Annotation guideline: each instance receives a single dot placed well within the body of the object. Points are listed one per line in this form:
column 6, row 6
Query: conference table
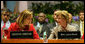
column 66, row 41
column 41, row 41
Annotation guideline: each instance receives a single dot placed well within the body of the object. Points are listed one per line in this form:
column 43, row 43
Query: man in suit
column 54, row 24
column 81, row 22
column 40, row 25
column 62, row 24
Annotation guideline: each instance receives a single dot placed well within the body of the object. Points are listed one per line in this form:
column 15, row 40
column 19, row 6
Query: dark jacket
column 44, row 28
column 50, row 27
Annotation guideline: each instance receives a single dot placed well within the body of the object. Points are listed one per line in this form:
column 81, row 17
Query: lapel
column 54, row 24
column 35, row 23
column 43, row 27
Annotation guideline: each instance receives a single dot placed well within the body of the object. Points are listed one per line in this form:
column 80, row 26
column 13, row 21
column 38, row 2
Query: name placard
column 21, row 34
column 69, row 35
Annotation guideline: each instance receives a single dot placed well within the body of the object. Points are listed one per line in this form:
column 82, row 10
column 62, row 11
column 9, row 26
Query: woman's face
column 27, row 21
column 5, row 17
column 61, row 21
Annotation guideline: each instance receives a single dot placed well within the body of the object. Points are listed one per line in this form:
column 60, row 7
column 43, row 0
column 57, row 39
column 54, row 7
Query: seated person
column 81, row 22
column 54, row 24
column 23, row 23
column 71, row 23
column 63, row 26
column 5, row 23
column 40, row 25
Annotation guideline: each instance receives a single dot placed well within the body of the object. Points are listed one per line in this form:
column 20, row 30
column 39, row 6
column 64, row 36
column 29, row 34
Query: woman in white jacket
column 63, row 25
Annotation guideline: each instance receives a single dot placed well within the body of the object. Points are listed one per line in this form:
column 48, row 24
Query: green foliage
column 13, row 17
column 79, row 7
column 39, row 7
column 50, row 18
column 48, row 8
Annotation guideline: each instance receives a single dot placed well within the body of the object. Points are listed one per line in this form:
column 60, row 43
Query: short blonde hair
column 63, row 13
column 69, row 14
column 57, row 12
column 23, row 15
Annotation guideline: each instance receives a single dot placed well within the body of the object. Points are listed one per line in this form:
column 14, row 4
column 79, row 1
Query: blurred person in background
column 71, row 23
column 5, row 23
column 23, row 23
column 63, row 25
column 81, row 22
column 70, row 18
column 54, row 24
column 13, row 16
column 40, row 25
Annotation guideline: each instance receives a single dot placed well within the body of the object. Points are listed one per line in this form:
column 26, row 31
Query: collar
column 81, row 21
column 56, row 23
column 6, row 22
column 40, row 23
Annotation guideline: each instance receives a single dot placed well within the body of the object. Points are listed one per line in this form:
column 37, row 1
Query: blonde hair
column 69, row 14
column 23, row 15
column 63, row 13
column 57, row 12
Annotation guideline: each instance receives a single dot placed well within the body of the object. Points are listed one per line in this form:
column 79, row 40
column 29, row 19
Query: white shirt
column 38, row 24
column 56, row 23
column 81, row 28
column 7, row 24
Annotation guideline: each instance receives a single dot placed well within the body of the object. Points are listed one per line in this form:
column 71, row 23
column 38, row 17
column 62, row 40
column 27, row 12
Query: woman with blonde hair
column 62, row 26
column 23, row 23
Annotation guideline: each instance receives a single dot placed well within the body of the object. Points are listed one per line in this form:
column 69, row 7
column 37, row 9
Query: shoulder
column 14, row 23
column 74, row 24
column 71, row 27
column 12, row 26
column 51, row 25
column 31, row 25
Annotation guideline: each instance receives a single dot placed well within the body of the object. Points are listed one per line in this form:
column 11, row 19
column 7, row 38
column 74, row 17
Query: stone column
column 2, row 6
column 22, row 5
